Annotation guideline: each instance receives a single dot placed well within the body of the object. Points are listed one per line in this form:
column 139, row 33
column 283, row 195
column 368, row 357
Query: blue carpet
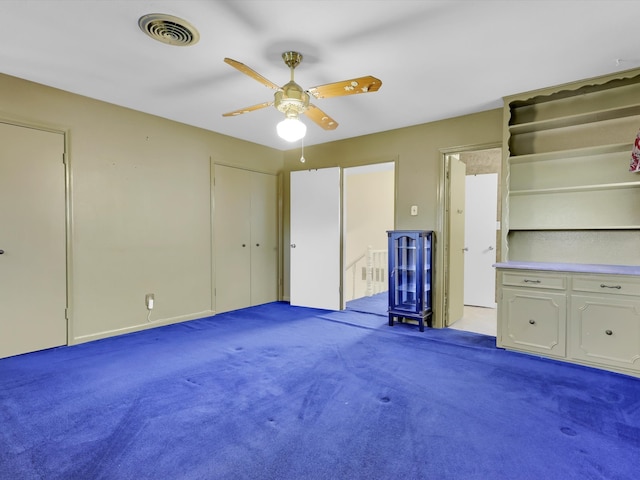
column 377, row 304
column 281, row 392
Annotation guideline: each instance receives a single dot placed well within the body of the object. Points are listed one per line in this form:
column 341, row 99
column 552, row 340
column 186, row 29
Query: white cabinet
column 577, row 316
column 245, row 238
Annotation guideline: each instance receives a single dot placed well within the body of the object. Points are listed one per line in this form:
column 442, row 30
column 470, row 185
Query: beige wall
column 141, row 206
column 417, row 151
column 141, row 209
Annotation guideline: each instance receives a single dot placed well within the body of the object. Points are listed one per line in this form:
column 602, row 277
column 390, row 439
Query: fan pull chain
column 302, row 159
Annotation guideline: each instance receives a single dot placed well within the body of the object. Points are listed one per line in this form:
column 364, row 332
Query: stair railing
column 374, row 272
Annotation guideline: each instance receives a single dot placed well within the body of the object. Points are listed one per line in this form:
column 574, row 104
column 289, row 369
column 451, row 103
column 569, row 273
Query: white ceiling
column 436, row 59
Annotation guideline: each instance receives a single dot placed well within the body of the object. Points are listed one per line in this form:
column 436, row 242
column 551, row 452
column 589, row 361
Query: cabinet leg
column 421, row 321
column 391, row 320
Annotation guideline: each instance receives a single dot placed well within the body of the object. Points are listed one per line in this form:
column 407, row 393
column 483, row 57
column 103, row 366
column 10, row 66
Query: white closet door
column 246, row 238
column 32, row 237
column 232, row 238
column 315, row 238
column 264, row 238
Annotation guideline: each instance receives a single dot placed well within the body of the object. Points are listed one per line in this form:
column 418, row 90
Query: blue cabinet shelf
column 410, row 274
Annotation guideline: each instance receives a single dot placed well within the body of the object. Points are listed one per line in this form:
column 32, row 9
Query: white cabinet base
column 565, row 312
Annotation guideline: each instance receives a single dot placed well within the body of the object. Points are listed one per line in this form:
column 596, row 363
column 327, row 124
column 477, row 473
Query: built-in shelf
column 578, row 227
column 573, row 153
column 574, row 120
column 577, row 188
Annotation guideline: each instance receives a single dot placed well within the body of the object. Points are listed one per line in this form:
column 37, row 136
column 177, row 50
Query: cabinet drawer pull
column 608, row 332
column 602, row 285
column 532, row 322
column 526, row 280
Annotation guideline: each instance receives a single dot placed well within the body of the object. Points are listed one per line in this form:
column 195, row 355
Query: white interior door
column 33, row 278
column 456, row 215
column 315, row 238
column 232, row 237
column 481, row 194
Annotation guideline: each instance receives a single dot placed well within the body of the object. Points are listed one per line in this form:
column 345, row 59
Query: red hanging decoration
column 635, row 155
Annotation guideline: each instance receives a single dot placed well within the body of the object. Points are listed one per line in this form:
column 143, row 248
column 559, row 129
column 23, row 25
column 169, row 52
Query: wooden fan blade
column 346, row 87
column 252, row 73
column 247, row 109
column 321, row 118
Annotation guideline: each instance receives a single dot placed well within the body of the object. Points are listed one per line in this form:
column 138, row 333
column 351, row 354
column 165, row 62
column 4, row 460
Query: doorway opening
column 471, row 232
column 368, row 212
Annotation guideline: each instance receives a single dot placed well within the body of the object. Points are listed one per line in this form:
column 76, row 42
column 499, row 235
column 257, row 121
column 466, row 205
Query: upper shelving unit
column 566, row 158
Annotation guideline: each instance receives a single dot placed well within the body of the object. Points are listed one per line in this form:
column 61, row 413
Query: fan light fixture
column 292, row 100
column 291, row 129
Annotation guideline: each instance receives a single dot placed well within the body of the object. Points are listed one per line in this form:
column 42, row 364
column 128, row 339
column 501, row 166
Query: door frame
column 66, row 160
column 442, row 253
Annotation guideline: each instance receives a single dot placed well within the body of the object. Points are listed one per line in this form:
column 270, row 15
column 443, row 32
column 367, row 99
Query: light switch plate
column 414, row 210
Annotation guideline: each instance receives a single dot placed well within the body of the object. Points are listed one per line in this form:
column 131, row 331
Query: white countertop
column 572, row 267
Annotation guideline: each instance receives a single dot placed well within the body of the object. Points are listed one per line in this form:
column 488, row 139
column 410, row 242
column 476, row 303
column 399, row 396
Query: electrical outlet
column 148, row 300
column 414, row 210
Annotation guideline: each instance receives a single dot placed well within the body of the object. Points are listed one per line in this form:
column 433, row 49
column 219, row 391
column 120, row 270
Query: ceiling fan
column 292, row 100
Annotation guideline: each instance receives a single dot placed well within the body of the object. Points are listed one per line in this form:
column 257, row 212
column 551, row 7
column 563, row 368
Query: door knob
column 465, row 249
column 293, row 245
column 490, row 248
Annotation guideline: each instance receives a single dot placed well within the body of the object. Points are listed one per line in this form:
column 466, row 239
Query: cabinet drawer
column 614, row 284
column 534, row 280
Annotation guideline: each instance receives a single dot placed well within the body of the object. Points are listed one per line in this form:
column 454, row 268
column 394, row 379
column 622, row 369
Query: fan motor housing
column 291, row 99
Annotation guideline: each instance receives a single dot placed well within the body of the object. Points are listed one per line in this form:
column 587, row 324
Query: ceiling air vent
column 169, row 29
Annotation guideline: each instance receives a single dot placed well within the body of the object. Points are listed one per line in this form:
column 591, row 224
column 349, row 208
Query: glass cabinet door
column 426, row 271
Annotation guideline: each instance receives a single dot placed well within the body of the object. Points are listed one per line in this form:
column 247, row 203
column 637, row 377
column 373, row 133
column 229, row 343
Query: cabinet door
column 606, row 330
column 426, row 279
column 534, row 321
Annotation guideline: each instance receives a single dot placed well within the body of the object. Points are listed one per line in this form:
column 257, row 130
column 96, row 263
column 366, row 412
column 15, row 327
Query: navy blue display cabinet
column 410, row 275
